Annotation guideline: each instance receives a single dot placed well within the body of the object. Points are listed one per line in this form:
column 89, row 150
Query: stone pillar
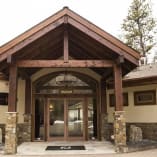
column 11, row 133
column 27, row 132
column 120, row 131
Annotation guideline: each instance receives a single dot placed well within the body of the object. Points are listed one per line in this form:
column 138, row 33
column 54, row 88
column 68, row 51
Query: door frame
column 47, row 96
column 66, row 137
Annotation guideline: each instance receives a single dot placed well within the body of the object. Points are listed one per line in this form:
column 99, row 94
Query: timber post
column 12, row 116
column 119, row 119
column 27, row 115
column 104, row 116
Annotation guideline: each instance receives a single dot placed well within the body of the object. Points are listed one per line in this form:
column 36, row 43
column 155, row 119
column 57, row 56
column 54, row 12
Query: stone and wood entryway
column 66, row 40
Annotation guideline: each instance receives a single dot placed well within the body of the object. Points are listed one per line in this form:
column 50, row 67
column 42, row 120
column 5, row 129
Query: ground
column 98, row 152
column 148, row 153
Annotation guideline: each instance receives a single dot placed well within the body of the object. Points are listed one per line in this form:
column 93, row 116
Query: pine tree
column 139, row 27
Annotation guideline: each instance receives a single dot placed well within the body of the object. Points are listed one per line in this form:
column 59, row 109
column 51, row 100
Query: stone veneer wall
column 11, row 133
column 23, row 132
column 149, row 130
column 24, row 129
column 120, row 131
column 108, row 131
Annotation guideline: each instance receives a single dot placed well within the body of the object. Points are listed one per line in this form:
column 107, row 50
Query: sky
column 18, row 16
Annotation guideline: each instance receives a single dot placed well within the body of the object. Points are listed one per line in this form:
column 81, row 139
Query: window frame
column 139, row 94
column 112, row 99
column 3, row 99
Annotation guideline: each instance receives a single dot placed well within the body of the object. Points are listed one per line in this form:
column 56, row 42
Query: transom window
column 65, row 83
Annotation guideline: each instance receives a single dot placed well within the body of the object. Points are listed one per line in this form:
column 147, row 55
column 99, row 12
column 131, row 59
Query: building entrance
column 65, row 109
column 66, row 118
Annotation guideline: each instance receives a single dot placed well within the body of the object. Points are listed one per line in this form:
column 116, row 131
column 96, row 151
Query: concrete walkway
column 93, row 149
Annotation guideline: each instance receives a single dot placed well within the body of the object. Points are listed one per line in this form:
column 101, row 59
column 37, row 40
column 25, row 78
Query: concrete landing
column 92, row 147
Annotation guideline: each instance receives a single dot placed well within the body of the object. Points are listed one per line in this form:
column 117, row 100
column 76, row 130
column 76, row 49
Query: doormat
column 65, row 148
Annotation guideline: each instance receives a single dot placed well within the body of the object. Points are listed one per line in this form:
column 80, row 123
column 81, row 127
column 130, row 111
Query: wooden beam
column 64, row 95
column 61, row 63
column 12, row 98
column 66, row 40
column 65, row 19
column 28, row 97
column 120, row 60
column 23, row 74
column 66, row 46
column 9, row 59
column 64, row 88
column 118, row 88
column 96, row 114
column 103, row 96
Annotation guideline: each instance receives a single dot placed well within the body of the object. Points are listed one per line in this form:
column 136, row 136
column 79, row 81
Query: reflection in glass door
column 75, row 118
column 65, row 119
column 91, row 119
column 56, row 118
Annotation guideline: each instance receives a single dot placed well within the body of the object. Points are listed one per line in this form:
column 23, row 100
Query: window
column 145, row 97
column 3, row 98
column 112, row 99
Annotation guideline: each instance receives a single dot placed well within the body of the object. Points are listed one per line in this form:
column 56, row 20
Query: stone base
column 24, row 133
column 104, row 126
column 121, row 149
column 119, row 131
column 11, row 133
column 27, row 128
column 148, row 130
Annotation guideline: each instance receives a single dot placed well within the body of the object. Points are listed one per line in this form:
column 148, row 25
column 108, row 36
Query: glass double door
column 66, row 119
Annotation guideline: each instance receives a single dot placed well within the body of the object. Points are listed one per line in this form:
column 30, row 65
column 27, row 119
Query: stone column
column 120, row 131
column 11, row 133
column 27, row 132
